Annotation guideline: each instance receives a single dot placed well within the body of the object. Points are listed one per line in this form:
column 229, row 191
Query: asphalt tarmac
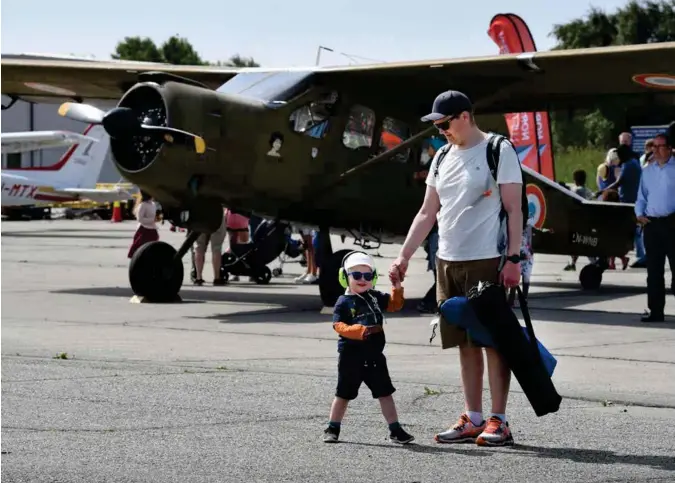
column 235, row 384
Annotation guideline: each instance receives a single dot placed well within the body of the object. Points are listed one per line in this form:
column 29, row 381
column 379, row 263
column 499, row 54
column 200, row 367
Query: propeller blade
column 81, row 112
column 120, row 122
column 176, row 136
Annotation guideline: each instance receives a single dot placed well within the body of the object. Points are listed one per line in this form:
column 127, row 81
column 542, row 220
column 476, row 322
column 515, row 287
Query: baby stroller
column 251, row 259
column 292, row 249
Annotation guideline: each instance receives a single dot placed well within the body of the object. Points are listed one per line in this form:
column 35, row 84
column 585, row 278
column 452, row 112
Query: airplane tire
column 590, row 277
column 154, row 273
column 329, row 286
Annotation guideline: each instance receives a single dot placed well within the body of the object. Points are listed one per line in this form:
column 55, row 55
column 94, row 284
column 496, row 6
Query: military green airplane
column 335, row 148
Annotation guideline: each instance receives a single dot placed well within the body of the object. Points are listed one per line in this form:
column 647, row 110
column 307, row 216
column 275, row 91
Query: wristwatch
column 513, row 258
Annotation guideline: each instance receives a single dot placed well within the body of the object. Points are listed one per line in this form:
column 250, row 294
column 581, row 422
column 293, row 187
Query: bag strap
column 528, row 321
column 441, row 156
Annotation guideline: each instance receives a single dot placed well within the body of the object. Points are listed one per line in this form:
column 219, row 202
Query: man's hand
column 370, row 330
column 642, row 220
column 510, row 275
column 397, row 270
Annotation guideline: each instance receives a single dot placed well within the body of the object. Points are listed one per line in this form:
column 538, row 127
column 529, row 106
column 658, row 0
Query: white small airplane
column 73, row 178
column 21, row 142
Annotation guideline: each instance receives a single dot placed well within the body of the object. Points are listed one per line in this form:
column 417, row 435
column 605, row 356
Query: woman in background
column 146, row 214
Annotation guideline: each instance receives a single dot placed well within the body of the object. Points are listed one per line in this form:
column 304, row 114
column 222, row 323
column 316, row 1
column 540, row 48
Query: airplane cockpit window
column 268, row 86
column 394, row 132
column 313, row 119
column 360, row 128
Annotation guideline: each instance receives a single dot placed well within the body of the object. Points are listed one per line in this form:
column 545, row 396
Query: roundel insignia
column 536, row 204
column 657, row 81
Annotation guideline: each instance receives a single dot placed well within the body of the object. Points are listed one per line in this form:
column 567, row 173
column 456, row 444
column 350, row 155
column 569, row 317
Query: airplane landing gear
column 329, row 285
column 590, row 276
column 156, row 270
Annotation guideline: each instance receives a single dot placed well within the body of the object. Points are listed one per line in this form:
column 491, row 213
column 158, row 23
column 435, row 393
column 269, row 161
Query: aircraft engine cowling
column 134, row 152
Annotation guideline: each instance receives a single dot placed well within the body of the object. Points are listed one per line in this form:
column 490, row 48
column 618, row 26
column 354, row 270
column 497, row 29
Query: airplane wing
column 59, row 79
column 97, row 195
column 502, row 83
column 19, row 142
column 532, row 81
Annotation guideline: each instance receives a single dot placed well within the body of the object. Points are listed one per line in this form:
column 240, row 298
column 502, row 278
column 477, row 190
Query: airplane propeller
column 123, row 122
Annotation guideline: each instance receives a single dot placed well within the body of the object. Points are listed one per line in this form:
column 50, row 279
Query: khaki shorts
column 455, row 279
column 216, row 239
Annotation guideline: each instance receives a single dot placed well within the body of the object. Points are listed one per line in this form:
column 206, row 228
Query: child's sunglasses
column 367, row 276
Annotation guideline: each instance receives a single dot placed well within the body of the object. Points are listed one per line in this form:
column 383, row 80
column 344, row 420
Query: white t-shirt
column 468, row 221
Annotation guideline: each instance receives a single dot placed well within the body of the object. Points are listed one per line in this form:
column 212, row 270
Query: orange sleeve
column 395, row 300
column 354, row 331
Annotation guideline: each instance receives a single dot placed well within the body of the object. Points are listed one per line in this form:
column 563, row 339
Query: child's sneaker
column 464, row 431
column 331, row 434
column 400, row 436
column 497, row 433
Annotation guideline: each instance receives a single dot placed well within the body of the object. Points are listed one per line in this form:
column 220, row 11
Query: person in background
column 606, row 174
column 238, row 229
column 310, row 276
column 627, row 183
column 216, row 240
column 579, row 187
column 626, row 139
column 146, row 214
column 649, row 152
column 655, row 211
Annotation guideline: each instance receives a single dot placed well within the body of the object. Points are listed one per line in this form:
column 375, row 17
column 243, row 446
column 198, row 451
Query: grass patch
column 61, row 355
column 571, row 159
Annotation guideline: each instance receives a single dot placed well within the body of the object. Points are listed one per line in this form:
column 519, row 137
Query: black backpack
column 492, row 154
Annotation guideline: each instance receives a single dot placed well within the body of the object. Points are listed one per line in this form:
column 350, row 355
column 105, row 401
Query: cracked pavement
column 235, row 384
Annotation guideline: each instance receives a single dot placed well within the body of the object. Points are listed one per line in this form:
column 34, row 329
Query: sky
column 282, row 33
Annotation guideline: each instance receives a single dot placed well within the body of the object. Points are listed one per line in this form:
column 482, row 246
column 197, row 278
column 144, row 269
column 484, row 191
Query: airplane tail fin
column 530, row 132
column 80, row 166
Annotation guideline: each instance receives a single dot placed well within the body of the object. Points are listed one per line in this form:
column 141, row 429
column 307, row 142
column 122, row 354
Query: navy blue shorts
column 354, row 369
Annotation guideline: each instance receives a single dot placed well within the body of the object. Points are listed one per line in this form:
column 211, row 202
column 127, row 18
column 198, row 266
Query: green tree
column 176, row 50
column 637, row 22
column 238, row 61
column 138, row 48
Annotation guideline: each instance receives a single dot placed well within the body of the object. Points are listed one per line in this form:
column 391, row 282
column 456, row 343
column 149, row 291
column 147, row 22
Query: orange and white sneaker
column 497, row 433
column 464, row 431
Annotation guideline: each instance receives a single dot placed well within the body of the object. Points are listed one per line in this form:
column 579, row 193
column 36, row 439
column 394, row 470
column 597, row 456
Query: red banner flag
column 530, row 131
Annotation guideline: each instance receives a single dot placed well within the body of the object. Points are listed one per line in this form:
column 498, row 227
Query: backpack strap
column 441, row 156
column 492, row 154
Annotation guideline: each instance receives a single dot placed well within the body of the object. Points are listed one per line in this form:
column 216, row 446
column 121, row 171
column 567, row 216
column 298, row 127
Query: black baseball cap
column 448, row 103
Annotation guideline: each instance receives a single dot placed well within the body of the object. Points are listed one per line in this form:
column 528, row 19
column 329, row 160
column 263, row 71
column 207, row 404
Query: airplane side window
column 360, row 127
column 313, row 119
column 394, row 132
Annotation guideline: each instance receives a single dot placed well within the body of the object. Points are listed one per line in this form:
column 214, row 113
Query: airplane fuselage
column 25, row 191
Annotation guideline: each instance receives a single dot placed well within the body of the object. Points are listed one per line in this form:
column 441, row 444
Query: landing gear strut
column 329, row 285
column 156, row 270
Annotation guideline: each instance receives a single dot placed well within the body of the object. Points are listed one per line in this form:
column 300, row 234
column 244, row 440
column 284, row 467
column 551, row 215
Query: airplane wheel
column 154, row 273
column 277, row 272
column 264, row 276
column 590, row 277
column 329, row 286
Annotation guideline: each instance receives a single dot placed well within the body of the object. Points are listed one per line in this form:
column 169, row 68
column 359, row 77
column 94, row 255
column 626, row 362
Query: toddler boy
column 358, row 319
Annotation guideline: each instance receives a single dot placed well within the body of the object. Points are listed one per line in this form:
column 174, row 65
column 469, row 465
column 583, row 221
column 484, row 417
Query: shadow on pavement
column 597, row 456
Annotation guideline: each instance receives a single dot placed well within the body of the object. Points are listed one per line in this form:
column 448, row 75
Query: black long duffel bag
column 522, row 355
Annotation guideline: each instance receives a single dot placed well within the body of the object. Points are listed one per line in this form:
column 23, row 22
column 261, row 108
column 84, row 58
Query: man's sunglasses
column 445, row 125
column 367, row 276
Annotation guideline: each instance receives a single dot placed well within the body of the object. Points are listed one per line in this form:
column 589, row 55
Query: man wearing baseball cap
column 463, row 197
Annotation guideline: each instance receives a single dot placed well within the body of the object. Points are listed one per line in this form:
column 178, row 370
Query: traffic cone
column 116, row 212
